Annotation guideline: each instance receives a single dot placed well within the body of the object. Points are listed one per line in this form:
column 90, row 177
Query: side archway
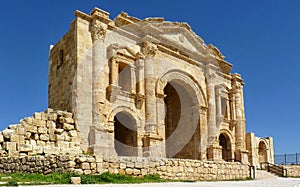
column 262, row 152
column 226, row 142
column 126, row 126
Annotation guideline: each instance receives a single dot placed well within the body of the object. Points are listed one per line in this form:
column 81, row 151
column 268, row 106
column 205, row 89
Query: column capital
column 98, row 30
column 149, row 49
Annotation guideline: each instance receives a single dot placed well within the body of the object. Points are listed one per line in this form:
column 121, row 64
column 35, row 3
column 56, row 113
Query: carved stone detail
column 98, row 30
column 149, row 49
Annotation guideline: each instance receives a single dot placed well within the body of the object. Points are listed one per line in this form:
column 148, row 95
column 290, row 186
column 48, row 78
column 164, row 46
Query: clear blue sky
column 260, row 38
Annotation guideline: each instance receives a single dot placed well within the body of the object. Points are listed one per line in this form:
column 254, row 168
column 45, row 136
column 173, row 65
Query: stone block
column 62, row 144
column 90, row 159
column 38, row 149
column 85, row 166
column 28, row 135
column 59, row 137
column 75, row 180
column 42, row 130
column 66, row 120
column 68, row 127
column 32, row 142
column 73, row 133
column 87, row 172
column 36, row 137
column 44, row 137
column 24, row 148
column 52, row 117
column 93, row 165
column 8, row 132
column 30, row 128
column 40, row 143
column 129, row 171
column 122, row 165
column 1, row 138
column 20, row 130
column 78, row 171
column 51, row 150
column 37, row 115
column 59, row 131
column 39, row 123
column 10, row 146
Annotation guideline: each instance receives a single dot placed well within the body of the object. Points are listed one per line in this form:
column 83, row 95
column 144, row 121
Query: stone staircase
column 262, row 174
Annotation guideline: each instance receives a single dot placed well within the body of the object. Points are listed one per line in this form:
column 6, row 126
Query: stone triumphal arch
column 150, row 88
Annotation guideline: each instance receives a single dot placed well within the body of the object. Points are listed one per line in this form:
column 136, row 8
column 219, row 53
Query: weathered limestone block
column 10, row 146
column 8, row 132
column 1, row 138
column 75, row 180
column 24, row 148
column 42, row 130
column 59, row 131
column 40, row 143
column 129, row 171
column 60, row 137
column 39, row 122
column 52, row 150
column 52, row 116
column 31, row 128
column 73, row 133
column 68, row 127
column 37, row 115
column 51, row 130
column 62, row 144
column 44, row 137
column 66, row 120
column 85, row 166
column 20, row 130
column 78, row 171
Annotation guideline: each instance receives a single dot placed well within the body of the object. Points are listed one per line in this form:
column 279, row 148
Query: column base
column 242, row 156
column 214, row 153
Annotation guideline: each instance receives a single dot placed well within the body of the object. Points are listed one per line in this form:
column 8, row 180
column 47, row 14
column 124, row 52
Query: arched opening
column 225, row 143
column 125, row 134
column 262, row 152
column 182, row 123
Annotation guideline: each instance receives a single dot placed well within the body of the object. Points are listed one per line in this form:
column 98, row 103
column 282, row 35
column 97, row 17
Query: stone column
column 212, row 129
column 140, row 83
column 133, row 79
column 114, row 68
column 203, row 132
column 241, row 153
column 149, row 51
column 152, row 140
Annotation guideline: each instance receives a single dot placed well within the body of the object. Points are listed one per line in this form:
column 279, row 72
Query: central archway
column 125, row 135
column 182, row 121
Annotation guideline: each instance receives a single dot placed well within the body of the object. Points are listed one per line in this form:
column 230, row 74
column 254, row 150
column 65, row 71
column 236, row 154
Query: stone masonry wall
column 292, row 170
column 134, row 166
column 50, row 132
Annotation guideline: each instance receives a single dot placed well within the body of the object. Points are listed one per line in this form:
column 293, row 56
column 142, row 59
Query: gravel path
column 271, row 182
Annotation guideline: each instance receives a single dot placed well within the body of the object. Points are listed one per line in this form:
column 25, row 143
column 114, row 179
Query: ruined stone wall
column 134, row 166
column 292, row 170
column 50, row 132
column 62, row 68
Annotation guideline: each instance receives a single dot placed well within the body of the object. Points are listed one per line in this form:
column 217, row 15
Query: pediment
column 178, row 36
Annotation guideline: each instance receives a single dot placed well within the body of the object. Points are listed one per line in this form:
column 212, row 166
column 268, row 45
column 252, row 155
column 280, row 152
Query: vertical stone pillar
column 203, row 133
column 241, row 154
column 133, row 79
column 140, row 81
column 152, row 140
column 149, row 51
column 212, row 113
column 114, row 67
